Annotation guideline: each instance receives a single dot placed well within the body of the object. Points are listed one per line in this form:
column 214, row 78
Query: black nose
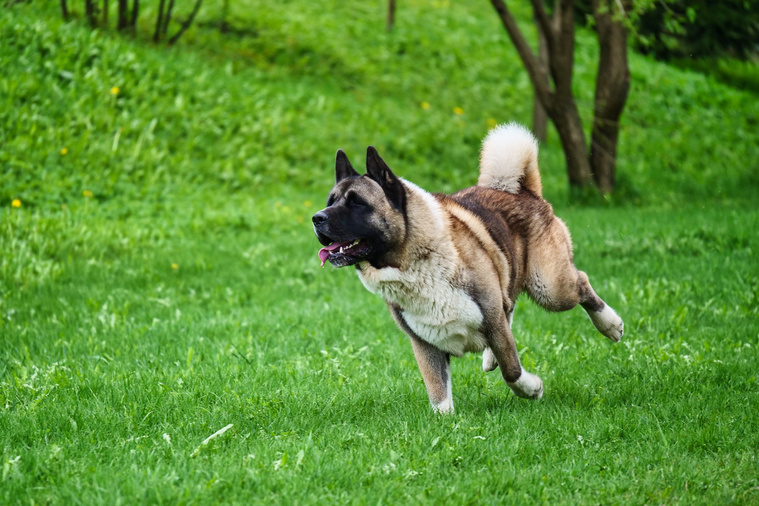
column 319, row 218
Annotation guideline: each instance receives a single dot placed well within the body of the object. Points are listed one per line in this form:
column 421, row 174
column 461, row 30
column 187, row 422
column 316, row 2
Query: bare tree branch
column 167, row 18
column 539, row 115
column 187, row 23
column 537, row 74
column 543, row 21
column 159, row 21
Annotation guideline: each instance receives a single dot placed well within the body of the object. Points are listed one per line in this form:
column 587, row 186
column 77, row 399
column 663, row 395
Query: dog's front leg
column 489, row 362
column 435, row 366
column 503, row 347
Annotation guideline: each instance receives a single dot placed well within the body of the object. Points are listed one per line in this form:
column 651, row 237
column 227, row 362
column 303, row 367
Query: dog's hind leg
column 570, row 288
column 606, row 320
column 503, row 347
column 555, row 283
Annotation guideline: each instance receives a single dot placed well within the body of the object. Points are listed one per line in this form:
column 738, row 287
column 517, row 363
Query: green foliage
column 693, row 29
column 699, row 28
column 159, row 278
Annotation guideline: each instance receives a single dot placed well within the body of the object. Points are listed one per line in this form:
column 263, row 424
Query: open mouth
column 340, row 254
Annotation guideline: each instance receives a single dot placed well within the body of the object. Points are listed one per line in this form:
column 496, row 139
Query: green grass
column 185, row 294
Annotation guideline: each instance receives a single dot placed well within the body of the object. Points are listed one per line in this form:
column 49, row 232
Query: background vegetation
column 159, row 278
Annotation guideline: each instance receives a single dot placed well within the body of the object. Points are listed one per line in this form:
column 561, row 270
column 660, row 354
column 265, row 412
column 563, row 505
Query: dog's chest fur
column 431, row 304
column 429, row 290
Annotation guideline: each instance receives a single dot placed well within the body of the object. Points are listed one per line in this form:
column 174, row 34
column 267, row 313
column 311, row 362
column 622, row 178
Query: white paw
column 528, row 386
column 608, row 323
column 489, row 363
column 444, row 408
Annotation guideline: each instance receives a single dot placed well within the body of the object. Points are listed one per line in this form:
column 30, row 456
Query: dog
column 450, row 267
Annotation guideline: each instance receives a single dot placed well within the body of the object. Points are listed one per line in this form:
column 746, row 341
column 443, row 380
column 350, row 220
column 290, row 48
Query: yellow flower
column 458, row 111
column 64, row 151
column 16, row 203
column 115, row 90
column 492, row 123
column 87, row 193
column 425, row 105
column 174, row 266
column 307, row 203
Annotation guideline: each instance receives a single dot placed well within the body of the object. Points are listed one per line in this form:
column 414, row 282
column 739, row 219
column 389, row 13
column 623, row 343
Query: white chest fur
column 431, row 305
column 428, row 289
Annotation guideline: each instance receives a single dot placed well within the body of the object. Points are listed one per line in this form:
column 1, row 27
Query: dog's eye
column 330, row 201
column 353, row 200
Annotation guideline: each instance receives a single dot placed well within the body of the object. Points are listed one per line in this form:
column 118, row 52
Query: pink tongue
column 325, row 251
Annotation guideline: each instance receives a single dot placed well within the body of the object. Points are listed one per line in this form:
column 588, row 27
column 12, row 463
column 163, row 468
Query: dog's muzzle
column 320, row 223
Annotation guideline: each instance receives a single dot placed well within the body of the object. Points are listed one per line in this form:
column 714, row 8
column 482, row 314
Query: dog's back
column 507, row 199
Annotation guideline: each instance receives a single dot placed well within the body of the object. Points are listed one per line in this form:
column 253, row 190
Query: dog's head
column 365, row 214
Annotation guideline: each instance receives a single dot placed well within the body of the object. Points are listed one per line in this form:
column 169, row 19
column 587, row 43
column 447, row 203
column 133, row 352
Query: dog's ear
column 343, row 167
column 377, row 169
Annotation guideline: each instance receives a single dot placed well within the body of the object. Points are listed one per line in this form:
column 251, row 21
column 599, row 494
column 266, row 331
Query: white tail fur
column 509, row 159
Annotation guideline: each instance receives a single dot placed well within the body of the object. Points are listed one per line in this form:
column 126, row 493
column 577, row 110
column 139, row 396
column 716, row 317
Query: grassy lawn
column 159, row 278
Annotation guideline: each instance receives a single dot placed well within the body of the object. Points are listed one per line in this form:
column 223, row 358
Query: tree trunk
column 89, row 9
column 105, row 13
column 560, row 38
column 569, row 127
column 553, row 84
column 612, row 86
column 557, row 100
column 135, row 13
column 64, row 10
column 122, row 21
column 390, row 15
column 539, row 116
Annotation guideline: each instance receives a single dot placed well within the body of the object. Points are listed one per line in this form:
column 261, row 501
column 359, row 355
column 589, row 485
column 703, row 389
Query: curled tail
column 509, row 160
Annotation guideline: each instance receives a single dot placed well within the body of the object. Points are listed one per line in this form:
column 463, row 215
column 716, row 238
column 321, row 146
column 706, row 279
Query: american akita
column 450, row 267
